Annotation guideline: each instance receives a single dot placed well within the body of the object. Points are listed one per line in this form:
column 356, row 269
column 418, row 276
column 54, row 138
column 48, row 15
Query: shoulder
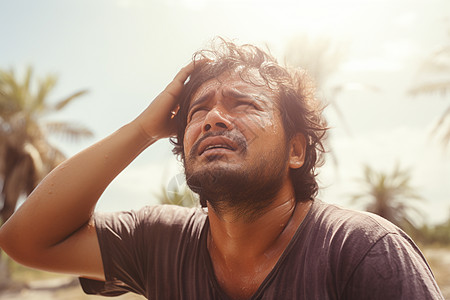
column 367, row 251
column 157, row 213
column 351, row 223
column 347, row 237
column 151, row 219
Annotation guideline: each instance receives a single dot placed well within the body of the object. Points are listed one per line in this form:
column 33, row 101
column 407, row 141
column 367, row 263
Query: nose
column 216, row 119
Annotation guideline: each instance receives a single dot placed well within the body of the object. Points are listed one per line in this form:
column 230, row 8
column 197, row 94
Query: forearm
column 52, row 229
column 65, row 199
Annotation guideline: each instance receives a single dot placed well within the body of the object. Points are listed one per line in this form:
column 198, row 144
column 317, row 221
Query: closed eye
column 250, row 104
column 197, row 112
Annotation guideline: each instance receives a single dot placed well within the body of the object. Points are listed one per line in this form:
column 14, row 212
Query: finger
column 184, row 72
column 174, row 88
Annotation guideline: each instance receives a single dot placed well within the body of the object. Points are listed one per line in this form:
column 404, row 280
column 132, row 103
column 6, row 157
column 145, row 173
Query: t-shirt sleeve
column 392, row 269
column 120, row 241
column 134, row 242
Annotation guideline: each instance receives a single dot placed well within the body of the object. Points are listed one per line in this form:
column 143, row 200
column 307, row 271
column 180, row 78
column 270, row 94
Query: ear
column 297, row 151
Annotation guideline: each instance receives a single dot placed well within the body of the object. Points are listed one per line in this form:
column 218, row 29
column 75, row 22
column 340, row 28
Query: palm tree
column 433, row 77
column 178, row 193
column 26, row 155
column 183, row 197
column 321, row 58
column 390, row 196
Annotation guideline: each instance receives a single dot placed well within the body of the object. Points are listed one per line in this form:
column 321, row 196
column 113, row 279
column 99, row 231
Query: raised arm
column 53, row 230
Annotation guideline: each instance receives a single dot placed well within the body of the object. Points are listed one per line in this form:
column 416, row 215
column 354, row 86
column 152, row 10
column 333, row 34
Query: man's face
column 234, row 135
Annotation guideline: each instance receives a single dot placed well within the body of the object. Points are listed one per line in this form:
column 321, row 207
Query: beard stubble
column 245, row 187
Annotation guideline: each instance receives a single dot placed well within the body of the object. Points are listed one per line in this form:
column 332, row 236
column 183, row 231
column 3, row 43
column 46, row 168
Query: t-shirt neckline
column 210, row 269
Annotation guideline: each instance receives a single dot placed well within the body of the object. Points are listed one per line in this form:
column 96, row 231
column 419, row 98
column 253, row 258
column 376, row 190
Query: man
column 249, row 133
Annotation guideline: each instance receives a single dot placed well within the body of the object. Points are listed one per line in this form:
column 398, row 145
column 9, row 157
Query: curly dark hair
column 301, row 112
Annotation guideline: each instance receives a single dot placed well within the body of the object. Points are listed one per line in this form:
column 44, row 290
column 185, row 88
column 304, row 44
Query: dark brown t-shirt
column 160, row 252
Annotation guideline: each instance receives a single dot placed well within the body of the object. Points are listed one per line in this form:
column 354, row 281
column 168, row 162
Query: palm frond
column 446, row 138
column 433, row 72
column 440, row 124
column 64, row 102
column 389, row 195
column 320, row 57
column 25, row 152
column 26, row 85
column 10, row 88
column 181, row 197
column 442, row 88
column 68, row 130
column 53, row 157
column 433, row 77
column 45, row 87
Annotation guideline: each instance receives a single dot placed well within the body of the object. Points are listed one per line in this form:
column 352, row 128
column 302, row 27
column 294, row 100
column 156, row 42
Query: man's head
column 243, row 115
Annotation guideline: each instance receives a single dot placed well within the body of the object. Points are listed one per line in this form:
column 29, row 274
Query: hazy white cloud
column 400, row 49
column 126, row 56
column 406, row 19
column 371, row 64
column 130, row 3
column 141, row 182
column 408, row 147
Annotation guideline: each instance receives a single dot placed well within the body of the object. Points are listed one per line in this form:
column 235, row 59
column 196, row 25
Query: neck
column 241, row 202
column 243, row 250
column 239, row 237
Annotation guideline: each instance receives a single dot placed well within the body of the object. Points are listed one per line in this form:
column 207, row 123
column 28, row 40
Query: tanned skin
column 244, row 247
column 54, row 229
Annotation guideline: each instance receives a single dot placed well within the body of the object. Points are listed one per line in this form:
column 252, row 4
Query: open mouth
column 216, row 147
column 217, row 143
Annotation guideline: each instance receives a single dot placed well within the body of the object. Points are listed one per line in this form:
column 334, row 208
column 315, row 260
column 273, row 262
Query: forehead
column 233, row 84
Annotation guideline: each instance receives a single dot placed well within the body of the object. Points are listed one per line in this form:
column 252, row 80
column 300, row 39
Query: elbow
column 10, row 243
column 15, row 249
column 5, row 239
column 2, row 237
column 22, row 248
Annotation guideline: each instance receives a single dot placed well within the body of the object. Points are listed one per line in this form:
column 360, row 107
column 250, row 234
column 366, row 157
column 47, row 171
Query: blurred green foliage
column 434, row 234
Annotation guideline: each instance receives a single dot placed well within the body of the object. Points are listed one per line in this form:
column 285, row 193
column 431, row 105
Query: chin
column 212, row 177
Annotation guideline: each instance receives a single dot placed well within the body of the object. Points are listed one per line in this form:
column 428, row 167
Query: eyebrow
column 201, row 100
column 232, row 93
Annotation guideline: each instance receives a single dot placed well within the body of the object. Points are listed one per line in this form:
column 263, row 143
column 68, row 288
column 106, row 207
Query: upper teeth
column 217, row 146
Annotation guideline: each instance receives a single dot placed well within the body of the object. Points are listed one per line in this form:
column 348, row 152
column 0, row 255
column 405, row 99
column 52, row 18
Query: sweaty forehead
column 232, row 83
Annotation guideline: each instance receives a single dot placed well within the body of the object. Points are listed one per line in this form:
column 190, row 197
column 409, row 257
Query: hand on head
column 158, row 121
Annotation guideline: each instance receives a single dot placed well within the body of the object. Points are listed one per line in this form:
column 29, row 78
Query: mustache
column 235, row 136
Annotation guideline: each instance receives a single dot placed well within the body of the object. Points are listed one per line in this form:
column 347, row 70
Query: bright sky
column 126, row 51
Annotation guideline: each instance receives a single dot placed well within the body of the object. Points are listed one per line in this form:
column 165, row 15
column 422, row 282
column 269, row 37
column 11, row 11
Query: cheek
column 260, row 119
column 190, row 136
column 261, row 123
